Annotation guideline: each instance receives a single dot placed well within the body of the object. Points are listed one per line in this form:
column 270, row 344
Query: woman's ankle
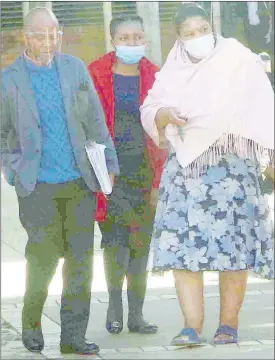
column 197, row 328
column 233, row 324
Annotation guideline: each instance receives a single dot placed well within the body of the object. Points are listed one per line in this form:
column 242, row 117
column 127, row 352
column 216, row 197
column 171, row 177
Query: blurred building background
column 86, row 24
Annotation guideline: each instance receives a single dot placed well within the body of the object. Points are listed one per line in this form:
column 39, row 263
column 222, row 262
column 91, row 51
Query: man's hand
column 112, row 178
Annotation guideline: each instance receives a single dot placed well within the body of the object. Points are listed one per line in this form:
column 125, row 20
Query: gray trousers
column 118, row 263
column 59, row 223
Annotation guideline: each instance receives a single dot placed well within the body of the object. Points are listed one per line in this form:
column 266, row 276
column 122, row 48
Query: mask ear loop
column 60, row 34
column 48, row 45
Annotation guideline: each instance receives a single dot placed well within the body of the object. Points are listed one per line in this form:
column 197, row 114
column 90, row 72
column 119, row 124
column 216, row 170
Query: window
column 11, row 15
column 167, row 10
column 71, row 13
column 124, row 8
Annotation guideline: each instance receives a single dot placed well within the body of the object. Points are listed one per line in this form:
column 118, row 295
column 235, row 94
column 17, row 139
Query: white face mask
column 200, row 47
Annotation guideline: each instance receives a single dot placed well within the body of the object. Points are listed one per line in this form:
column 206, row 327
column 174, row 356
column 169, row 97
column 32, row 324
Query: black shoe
column 86, row 348
column 33, row 339
column 142, row 327
column 114, row 321
column 114, row 327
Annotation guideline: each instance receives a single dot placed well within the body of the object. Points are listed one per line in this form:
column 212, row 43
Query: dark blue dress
column 126, row 206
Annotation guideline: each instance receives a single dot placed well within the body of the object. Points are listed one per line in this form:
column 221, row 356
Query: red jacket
column 101, row 73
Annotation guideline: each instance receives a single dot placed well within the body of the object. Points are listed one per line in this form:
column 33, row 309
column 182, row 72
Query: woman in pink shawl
column 213, row 106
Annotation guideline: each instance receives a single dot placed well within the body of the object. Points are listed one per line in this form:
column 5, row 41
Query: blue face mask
column 130, row 54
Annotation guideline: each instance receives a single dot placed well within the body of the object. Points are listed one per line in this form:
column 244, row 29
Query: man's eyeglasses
column 40, row 36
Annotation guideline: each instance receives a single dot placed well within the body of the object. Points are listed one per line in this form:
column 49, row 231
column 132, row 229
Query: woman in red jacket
column 122, row 79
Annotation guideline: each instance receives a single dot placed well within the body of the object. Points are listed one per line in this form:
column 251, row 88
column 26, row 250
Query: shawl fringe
column 225, row 145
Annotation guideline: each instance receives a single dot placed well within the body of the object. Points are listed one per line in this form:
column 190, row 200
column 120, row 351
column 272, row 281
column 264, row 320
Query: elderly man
column 49, row 110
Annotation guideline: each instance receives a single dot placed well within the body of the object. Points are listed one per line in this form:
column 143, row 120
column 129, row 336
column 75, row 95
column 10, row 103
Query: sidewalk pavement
column 256, row 331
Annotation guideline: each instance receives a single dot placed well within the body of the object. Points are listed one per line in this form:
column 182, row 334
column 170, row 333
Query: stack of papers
column 96, row 156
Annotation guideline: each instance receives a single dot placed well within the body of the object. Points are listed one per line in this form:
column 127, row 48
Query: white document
column 96, row 156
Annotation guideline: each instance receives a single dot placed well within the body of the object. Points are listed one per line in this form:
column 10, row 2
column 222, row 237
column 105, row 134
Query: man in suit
column 49, row 110
column 257, row 19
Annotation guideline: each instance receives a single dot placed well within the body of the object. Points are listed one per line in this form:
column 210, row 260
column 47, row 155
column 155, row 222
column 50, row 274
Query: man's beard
column 45, row 58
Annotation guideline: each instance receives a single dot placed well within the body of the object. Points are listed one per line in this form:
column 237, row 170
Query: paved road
column 161, row 307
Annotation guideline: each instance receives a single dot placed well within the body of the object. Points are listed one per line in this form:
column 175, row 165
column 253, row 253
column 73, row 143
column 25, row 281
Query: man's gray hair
column 33, row 13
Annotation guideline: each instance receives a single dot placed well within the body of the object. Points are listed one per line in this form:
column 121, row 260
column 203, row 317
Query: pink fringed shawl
column 228, row 102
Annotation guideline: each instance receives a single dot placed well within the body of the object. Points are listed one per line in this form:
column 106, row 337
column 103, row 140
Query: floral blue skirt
column 220, row 221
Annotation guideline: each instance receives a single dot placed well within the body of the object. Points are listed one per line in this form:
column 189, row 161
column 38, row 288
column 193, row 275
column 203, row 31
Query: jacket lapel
column 23, row 82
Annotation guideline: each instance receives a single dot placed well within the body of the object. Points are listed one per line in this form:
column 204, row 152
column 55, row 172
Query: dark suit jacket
column 255, row 34
column 21, row 137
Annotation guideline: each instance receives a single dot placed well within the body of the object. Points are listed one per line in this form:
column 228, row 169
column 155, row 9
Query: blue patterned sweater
column 57, row 164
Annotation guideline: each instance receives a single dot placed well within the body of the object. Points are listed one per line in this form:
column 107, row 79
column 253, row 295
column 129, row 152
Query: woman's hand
column 154, row 196
column 167, row 116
